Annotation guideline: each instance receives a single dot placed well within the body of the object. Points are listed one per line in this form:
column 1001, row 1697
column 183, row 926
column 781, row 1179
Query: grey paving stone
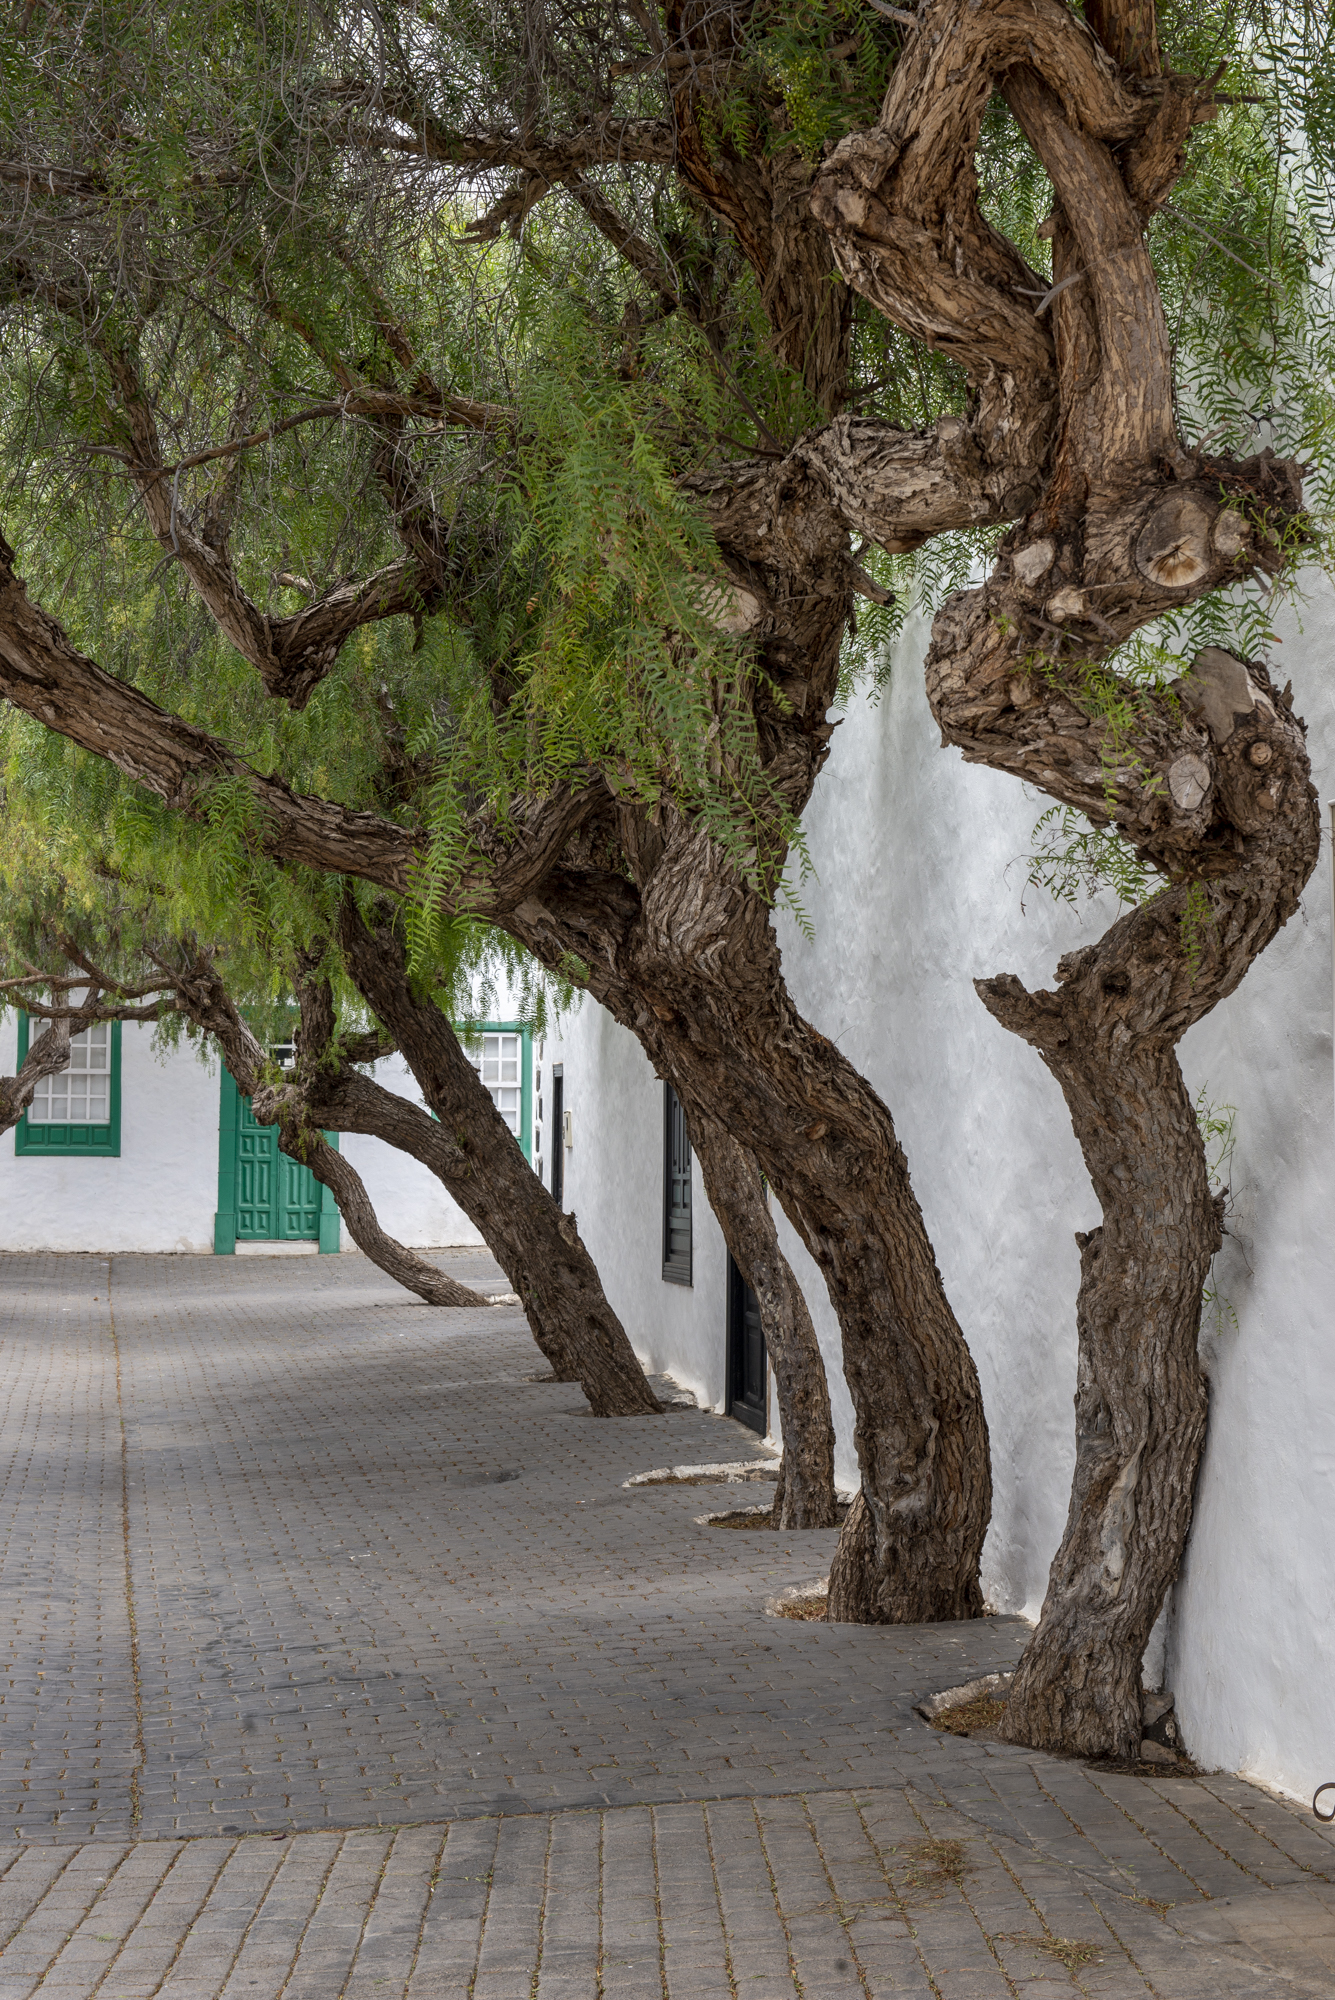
column 507, row 1726
column 325, row 1582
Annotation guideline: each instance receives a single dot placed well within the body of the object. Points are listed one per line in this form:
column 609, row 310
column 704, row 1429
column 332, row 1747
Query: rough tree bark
column 736, row 1190
column 536, row 1245
column 46, row 1056
column 1108, row 1036
column 1140, row 1399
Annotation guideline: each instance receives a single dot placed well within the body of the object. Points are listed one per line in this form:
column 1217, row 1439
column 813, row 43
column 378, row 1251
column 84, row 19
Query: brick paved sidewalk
column 835, row 1896
column 340, row 1662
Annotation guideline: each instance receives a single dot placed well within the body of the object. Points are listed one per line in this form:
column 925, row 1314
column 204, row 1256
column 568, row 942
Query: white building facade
column 139, row 1148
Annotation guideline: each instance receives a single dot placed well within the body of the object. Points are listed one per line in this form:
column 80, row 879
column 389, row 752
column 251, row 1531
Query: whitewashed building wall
column 409, row 1200
column 920, row 890
column 161, row 1194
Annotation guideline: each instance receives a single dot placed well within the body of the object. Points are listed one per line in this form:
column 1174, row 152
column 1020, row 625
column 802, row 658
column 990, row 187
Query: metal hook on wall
column 1328, row 1787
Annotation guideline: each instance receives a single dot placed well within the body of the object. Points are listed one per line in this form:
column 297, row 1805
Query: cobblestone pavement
column 339, row 1662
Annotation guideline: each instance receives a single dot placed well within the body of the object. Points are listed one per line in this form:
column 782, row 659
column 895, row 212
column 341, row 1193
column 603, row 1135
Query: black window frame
column 677, row 1265
column 558, row 1134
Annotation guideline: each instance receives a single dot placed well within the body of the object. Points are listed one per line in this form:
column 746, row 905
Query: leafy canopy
column 264, row 216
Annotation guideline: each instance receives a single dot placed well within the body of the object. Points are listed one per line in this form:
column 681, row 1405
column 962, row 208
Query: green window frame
column 470, row 1037
column 69, row 1141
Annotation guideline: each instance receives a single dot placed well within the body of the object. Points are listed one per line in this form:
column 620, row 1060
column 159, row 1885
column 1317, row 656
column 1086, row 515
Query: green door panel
column 298, row 1214
column 263, row 1196
column 259, row 1180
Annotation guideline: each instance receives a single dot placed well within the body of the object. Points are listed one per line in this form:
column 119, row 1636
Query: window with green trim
column 78, row 1110
column 502, row 1054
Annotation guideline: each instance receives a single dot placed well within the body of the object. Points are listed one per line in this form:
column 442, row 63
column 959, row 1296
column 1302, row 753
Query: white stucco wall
column 1252, row 1636
column 919, row 891
column 614, row 1188
column 162, row 1192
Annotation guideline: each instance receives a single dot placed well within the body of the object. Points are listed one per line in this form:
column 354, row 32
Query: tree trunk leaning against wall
column 737, row 1195
column 1109, row 1036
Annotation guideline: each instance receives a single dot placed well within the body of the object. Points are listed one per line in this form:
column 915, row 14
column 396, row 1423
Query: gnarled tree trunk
column 1109, row 1037
column 537, row 1246
column 1140, row 1404
column 736, row 1191
column 691, row 966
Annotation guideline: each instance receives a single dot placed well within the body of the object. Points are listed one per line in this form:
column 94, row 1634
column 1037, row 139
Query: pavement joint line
column 1209, row 1838
column 202, row 1904
column 983, row 1931
column 339, row 1849
column 718, row 1899
column 1076, row 1867
column 394, row 1835
column 602, row 1888
column 21, row 1855
column 542, row 1908
column 432, row 1880
column 100, row 1888
column 1108, row 1860
column 486, row 1905
column 1020, row 1888
column 1231, row 1806
column 839, row 1900
column 1132, row 1960
column 904, row 1905
column 798, row 1987
column 251, row 1921
column 140, row 1745
column 658, row 1898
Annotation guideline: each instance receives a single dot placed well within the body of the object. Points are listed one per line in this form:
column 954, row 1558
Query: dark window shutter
column 676, row 1191
column 558, row 1130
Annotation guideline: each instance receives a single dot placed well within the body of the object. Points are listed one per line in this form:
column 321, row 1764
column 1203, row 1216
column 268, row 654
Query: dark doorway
column 558, row 1134
column 748, row 1373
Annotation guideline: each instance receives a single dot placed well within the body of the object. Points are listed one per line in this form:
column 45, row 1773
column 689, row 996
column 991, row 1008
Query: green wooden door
column 277, row 1199
column 263, row 1197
